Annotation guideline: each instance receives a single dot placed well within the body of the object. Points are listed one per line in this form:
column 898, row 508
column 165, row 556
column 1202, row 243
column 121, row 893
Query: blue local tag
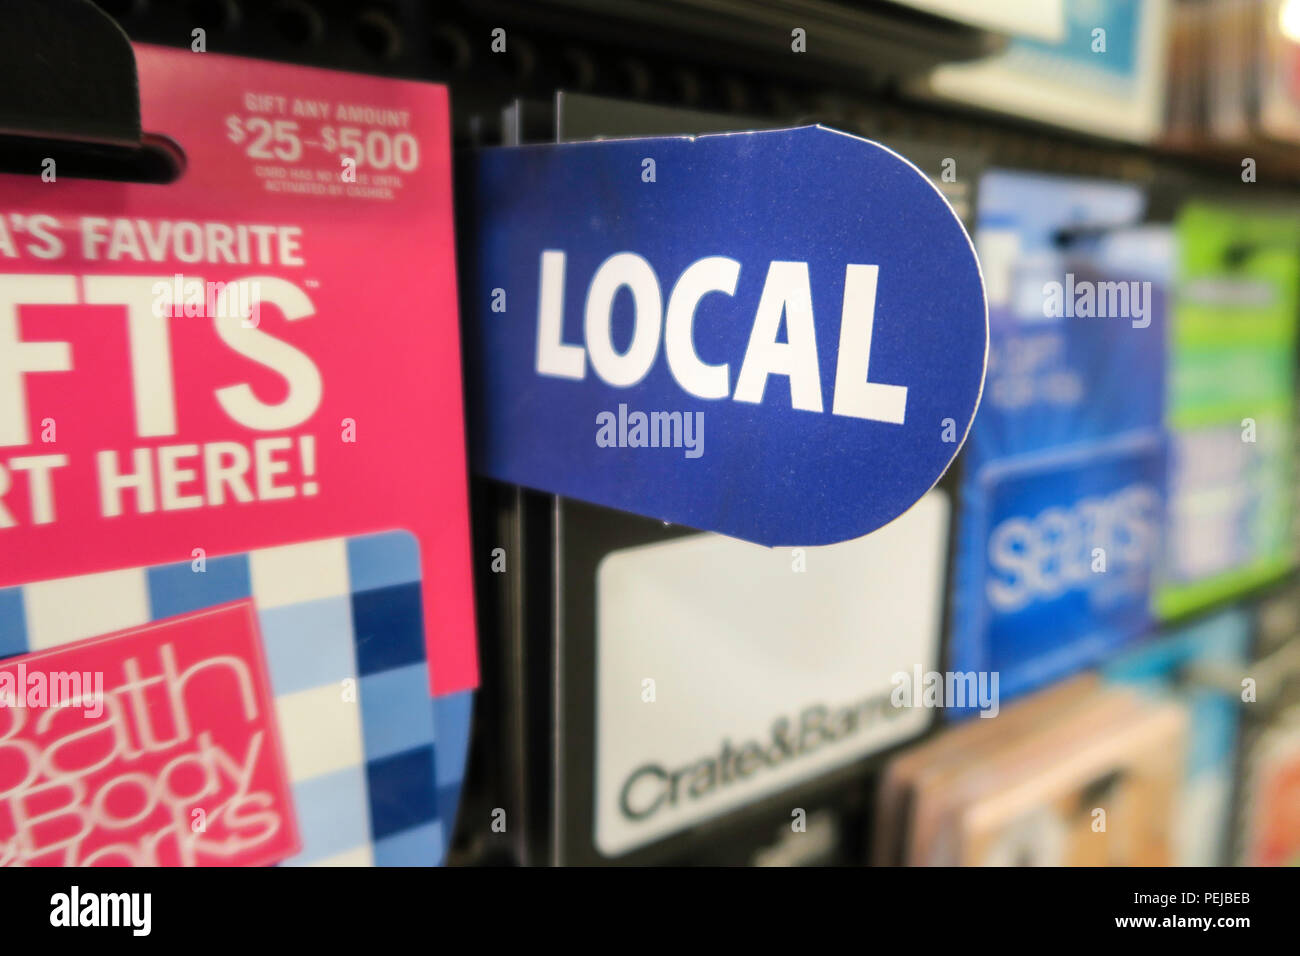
column 779, row 336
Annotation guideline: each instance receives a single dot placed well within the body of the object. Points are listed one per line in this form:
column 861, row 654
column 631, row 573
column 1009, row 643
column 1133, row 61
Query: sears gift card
column 1063, row 492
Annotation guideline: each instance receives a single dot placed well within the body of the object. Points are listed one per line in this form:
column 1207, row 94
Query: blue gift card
column 1063, row 492
column 1059, row 551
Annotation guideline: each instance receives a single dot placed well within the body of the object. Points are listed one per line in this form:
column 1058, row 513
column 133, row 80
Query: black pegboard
column 450, row 42
column 689, row 63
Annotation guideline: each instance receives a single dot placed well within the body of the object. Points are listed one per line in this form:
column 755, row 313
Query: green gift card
column 1230, row 404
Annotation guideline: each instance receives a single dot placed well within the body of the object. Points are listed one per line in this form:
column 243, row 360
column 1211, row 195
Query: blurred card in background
column 1272, row 806
column 1104, row 75
column 1185, row 666
column 1269, row 801
column 1074, row 775
column 1063, row 482
column 1230, row 409
column 1044, row 19
column 1088, row 799
column 901, row 778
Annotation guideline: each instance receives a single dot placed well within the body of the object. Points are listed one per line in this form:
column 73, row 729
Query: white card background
column 735, row 639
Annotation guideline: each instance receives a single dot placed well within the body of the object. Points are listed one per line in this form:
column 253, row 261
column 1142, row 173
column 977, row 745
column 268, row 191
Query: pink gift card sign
column 263, row 352
column 156, row 745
